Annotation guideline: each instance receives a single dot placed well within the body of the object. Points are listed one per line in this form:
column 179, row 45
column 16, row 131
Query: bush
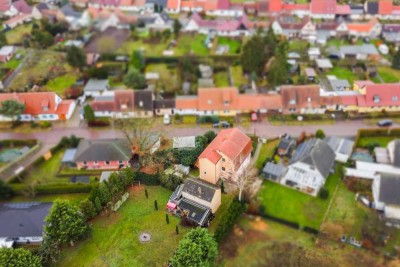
column 6, row 191
column 323, row 193
column 148, row 179
column 34, row 124
column 320, row 134
column 209, row 119
column 171, row 181
column 98, row 123
column 45, row 124
column 229, row 218
column 210, row 135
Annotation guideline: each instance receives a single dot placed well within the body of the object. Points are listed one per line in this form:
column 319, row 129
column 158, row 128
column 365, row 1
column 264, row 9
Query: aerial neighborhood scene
column 200, row 133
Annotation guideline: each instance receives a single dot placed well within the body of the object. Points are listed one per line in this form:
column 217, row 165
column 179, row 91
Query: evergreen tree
column 19, row 257
column 76, row 57
column 396, row 60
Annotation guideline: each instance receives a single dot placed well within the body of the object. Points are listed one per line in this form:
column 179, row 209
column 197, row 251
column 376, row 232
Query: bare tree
column 246, row 179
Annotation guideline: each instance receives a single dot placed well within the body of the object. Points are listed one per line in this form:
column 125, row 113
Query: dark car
column 223, row 124
column 385, row 123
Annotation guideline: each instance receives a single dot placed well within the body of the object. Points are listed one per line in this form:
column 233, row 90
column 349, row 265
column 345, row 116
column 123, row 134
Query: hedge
column 148, row 179
column 229, row 218
column 377, row 132
column 49, row 189
column 29, row 143
column 279, row 220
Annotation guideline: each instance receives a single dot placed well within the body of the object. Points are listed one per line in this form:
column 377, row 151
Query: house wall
column 71, row 109
column 216, row 201
column 101, row 165
column 225, row 13
column 209, row 171
column 392, row 212
column 375, row 194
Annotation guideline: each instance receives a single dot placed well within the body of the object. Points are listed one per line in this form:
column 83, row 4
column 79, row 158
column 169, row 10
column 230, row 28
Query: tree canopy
column 11, row 108
column 320, row 134
column 252, row 57
column 5, row 190
column 177, row 26
column 279, row 69
column 65, row 223
column 137, row 60
column 88, row 112
column 76, row 57
column 3, row 39
column 396, row 60
column 197, row 248
column 19, row 257
column 135, row 79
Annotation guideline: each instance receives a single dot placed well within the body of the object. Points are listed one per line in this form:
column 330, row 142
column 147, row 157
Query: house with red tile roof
column 226, row 102
column 300, row 10
column 388, row 11
column 226, row 157
column 17, row 20
column 114, row 104
column 370, row 29
column 45, row 106
column 301, row 99
column 210, row 7
column 323, row 9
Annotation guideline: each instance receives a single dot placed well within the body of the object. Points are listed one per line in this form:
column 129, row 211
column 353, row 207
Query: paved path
column 9, row 79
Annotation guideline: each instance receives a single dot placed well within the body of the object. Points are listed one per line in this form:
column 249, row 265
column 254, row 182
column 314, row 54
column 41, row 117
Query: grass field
column 225, row 203
column 234, row 45
column 238, row 77
column 294, row 206
column 298, row 46
column 169, row 78
column 389, row 75
column 59, row 84
column 221, row 79
column 191, row 44
column 115, row 242
column 267, row 150
column 344, row 73
column 16, row 35
column 381, row 140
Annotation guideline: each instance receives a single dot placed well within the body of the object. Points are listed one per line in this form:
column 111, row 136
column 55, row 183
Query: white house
column 385, row 190
column 309, row 167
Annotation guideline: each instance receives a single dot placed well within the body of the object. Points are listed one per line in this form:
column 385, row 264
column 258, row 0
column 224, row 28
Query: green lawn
column 226, row 201
column 149, row 49
column 16, row 35
column 12, row 64
column 191, row 44
column 267, row 150
column 221, row 79
column 234, row 45
column 389, row 75
column 238, row 76
column 381, row 140
column 298, row 46
column 169, row 78
column 114, row 240
column 74, row 198
column 343, row 73
column 294, row 206
column 346, row 212
column 59, row 84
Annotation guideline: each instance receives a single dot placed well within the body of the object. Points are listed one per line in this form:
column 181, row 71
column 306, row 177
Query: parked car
column 167, row 119
column 385, row 123
column 223, row 124
column 254, row 116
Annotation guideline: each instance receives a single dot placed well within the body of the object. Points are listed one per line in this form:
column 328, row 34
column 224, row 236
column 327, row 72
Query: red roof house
column 385, row 7
column 225, row 157
column 382, row 95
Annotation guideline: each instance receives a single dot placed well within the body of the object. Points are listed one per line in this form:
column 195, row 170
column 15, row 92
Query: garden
column 294, row 207
column 266, row 152
column 115, row 236
column 17, row 35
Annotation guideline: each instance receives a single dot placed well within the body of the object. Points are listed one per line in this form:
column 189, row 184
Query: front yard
column 293, row 206
column 115, row 237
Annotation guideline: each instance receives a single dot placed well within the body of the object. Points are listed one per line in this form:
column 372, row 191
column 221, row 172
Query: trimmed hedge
column 377, row 132
column 147, row 179
column 229, row 219
column 49, row 189
column 29, row 143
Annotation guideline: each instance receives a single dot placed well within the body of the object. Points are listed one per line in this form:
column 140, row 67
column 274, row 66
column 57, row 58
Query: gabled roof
column 317, row 154
column 323, row 6
column 382, row 95
column 300, row 96
column 164, row 103
column 24, row 219
column 94, row 85
column 200, row 189
column 231, row 142
column 68, row 11
column 194, row 211
column 372, row 7
column 5, row 5
column 22, row 7
column 362, row 27
column 389, row 189
column 343, row 10
column 218, row 98
column 173, row 4
column 103, row 150
column 119, row 100
column 144, row 100
column 385, row 7
column 340, row 145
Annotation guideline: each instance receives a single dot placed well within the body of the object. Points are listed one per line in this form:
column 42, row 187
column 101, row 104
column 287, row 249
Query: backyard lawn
column 226, row 201
column 267, row 151
column 59, row 84
column 291, row 205
column 389, row 75
column 221, row 79
column 16, row 35
column 344, row 73
column 298, row 46
column 234, row 45
column 237, row 76
column 380, row 140
column 115, row 242
column 169, row 78
column 149, row 49
column 194, row 44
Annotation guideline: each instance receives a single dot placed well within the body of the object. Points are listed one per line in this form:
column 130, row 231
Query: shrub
column 45, row 124
column 98, row 123
column 210, row 135
column 320, row 134
column 323, row 193
column 88, row 209
column 34, row 124
column 229, row 218
column 5, row 190
column 171, row 181
column 148, row 179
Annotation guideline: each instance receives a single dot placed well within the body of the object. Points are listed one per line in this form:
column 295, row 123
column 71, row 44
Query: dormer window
column 209, row 102
column 395, row 98
column 377, row 99
column 141, row 104
column 309, row 99
column 292, row 102
column 226, row 102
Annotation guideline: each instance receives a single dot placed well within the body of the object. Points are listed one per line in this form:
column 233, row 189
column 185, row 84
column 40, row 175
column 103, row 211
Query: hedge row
column 229, row 218
column 29, row 143
column 147, row 179
column 49, row 189
column 377, row 132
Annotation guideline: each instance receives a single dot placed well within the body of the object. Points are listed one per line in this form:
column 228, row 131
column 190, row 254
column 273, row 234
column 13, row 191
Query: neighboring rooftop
column 389, row 189
column 199, row 189
column 103, row 150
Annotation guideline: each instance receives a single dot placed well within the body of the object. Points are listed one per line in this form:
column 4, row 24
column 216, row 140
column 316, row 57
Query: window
column 223, row 159
column 51, row 116
column 377, row 98
column 395, row 98
column 226, row 103
column 84, row 163
column 95, row 163
column 120, row 162
column 107, row 162
column 223, row 169
column 141, row 104
column 205, row 172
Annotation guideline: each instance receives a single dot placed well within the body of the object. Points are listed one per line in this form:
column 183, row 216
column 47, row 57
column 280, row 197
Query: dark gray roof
column 162, row 3
column 286, row 142
column 339, row 84
column 195, row 212
column 199, row 189
column 372, row 7
column 42, row 6
column 315, row 153
column 23, row 219
column 68, row 11
column 144, row 100
column 396, row 159
column 164, row 103
column 272, row 170
column 103, row 150
column 389, row 189
column 69, row 155
column 96, row 85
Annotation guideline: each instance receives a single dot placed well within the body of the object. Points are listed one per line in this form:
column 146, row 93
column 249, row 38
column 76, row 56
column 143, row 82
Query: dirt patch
column 259, row 225
column 111, row 36
column 106, row 218
column 135, row 189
